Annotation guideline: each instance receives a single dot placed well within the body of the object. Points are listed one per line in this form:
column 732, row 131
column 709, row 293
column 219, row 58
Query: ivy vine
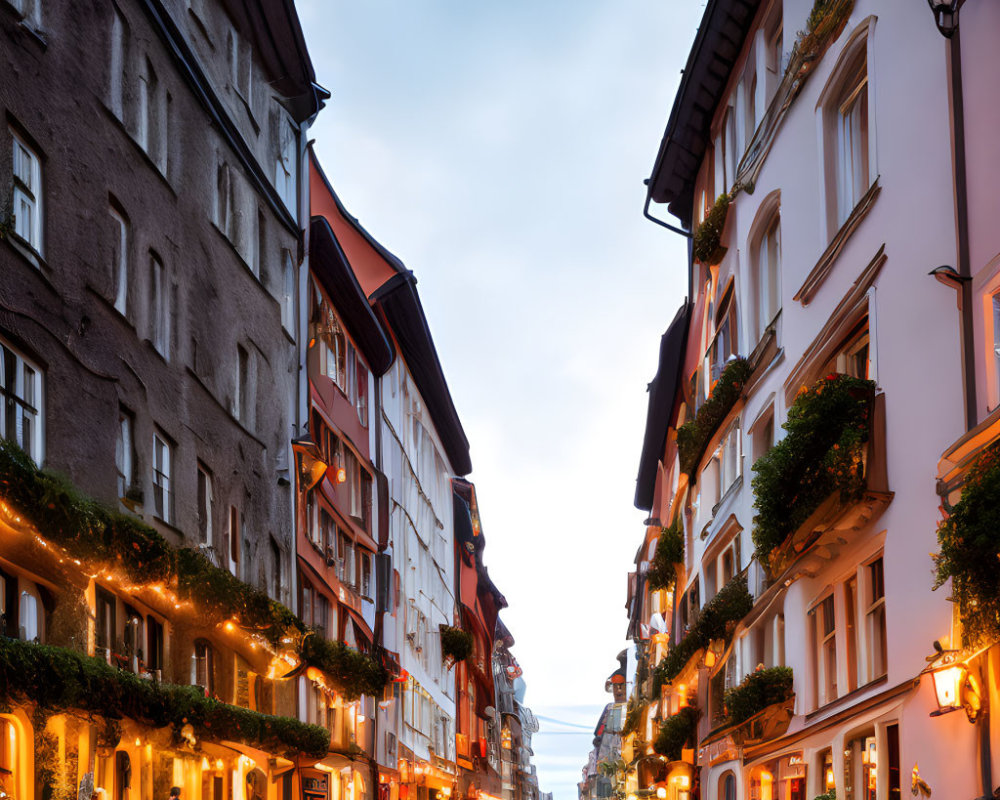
column 693, row 436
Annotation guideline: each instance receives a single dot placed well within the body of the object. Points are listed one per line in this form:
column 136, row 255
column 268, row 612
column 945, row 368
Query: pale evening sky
column 498, row 148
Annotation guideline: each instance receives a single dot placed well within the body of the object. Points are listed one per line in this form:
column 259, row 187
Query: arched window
column 765, row 277
column 203, row 666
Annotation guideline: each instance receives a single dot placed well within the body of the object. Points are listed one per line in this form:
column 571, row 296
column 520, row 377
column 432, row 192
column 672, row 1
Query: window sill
column 824, row 266
column 33, row 32
column 115, row 311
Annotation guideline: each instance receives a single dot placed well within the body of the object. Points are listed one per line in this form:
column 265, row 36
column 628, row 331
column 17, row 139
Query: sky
column 499, row 149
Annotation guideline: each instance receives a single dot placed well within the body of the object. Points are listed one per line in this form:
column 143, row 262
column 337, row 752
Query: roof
column 329, row 264
column 717, row 46
column 662, row 390
column 399, row 302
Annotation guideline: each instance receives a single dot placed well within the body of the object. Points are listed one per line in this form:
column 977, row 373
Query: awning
column 662, row 391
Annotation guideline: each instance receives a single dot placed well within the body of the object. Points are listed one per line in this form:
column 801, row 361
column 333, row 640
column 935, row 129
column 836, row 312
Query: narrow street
column 715, row 298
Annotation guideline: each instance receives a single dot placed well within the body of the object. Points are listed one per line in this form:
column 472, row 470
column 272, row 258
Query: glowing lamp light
column 661, row 793
column 710, row 659
column 631, row 797
column 684, row 782
column 341, row 475
column 948, row 689
column 204, row 763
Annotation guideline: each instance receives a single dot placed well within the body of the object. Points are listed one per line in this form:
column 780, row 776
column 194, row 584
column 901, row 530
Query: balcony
column 824, row 481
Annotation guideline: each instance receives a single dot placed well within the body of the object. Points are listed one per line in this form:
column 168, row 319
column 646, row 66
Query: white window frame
column 848, row 167
column 124, row 450
column 23, row 401
column 119, row 265
column 27, row 193
column 162, row 489
column 766, row 273
column 288, row 292
column 159, row 306
column 826, row 681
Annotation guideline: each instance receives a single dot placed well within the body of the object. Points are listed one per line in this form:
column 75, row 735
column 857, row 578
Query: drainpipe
column 968, row 339
column 962, row 216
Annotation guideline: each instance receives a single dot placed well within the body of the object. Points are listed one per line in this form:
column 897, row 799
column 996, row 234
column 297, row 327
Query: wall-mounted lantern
column 945, row 16
column 955, row 687
column 309, row 460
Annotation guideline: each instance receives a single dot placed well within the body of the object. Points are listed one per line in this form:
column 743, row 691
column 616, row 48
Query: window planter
column 761, row 707
column 669, row 553
column 677, row 734
column 707, row 241
column 694, row 436
column 826, row 476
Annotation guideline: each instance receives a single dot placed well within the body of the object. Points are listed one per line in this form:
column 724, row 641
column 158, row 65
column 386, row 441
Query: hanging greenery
column 970, row 546
column 95, row 535
column 717, row 620
column 57, row 680
column 822, row 453
column 352, row 672
column 707, row 241
column 456, row 643
column 693, row 436
column 830, row 795
column 669, row 553
column 677, row 733
column 759, row 689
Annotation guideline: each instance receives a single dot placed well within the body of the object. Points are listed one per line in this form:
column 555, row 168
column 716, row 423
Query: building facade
column 783, row 610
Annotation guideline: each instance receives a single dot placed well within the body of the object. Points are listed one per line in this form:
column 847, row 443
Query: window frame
column 17, row 368
column 28, row 190
column 162, row 466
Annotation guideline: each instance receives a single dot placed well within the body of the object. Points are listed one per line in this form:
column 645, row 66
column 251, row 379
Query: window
column 848, row 158
column 151, row 131
column 162, row 489
column 233, row 540
column 240, row 71
column 276, row 576
column 223, row 199
column 288, row 292
column 285, row 160
column 154, row 644
column 725, row 345
column 731, row 461
column 27, row 194
column 851, row 631
column 762, row 434
column 333, row 350
column 159, row 306
column 203, row 666
column 825, row 641
column 119, row 55
column 124, row 451
column 104, row 626
column 875, row 621
column 240, row 396
column 204, row 505
column 259, row 254
column 852, row 142
column 30, row 11
column 119, row 260
column 772, row 53
column 766, row 276
column 366, row 574
column 28, row 618
column 361, row 394
column 852, row 357
column 21, row 389
column 996, row 338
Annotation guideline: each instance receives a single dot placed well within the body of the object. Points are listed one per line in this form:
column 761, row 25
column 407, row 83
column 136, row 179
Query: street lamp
column 311, row 465
column 954, row 686
column 945, row 16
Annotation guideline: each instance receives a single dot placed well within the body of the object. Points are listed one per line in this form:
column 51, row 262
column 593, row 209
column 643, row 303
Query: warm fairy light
column 138, row 742
column 204, row 762
column 661, row 792
column 218, row 764
column 230, row 626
